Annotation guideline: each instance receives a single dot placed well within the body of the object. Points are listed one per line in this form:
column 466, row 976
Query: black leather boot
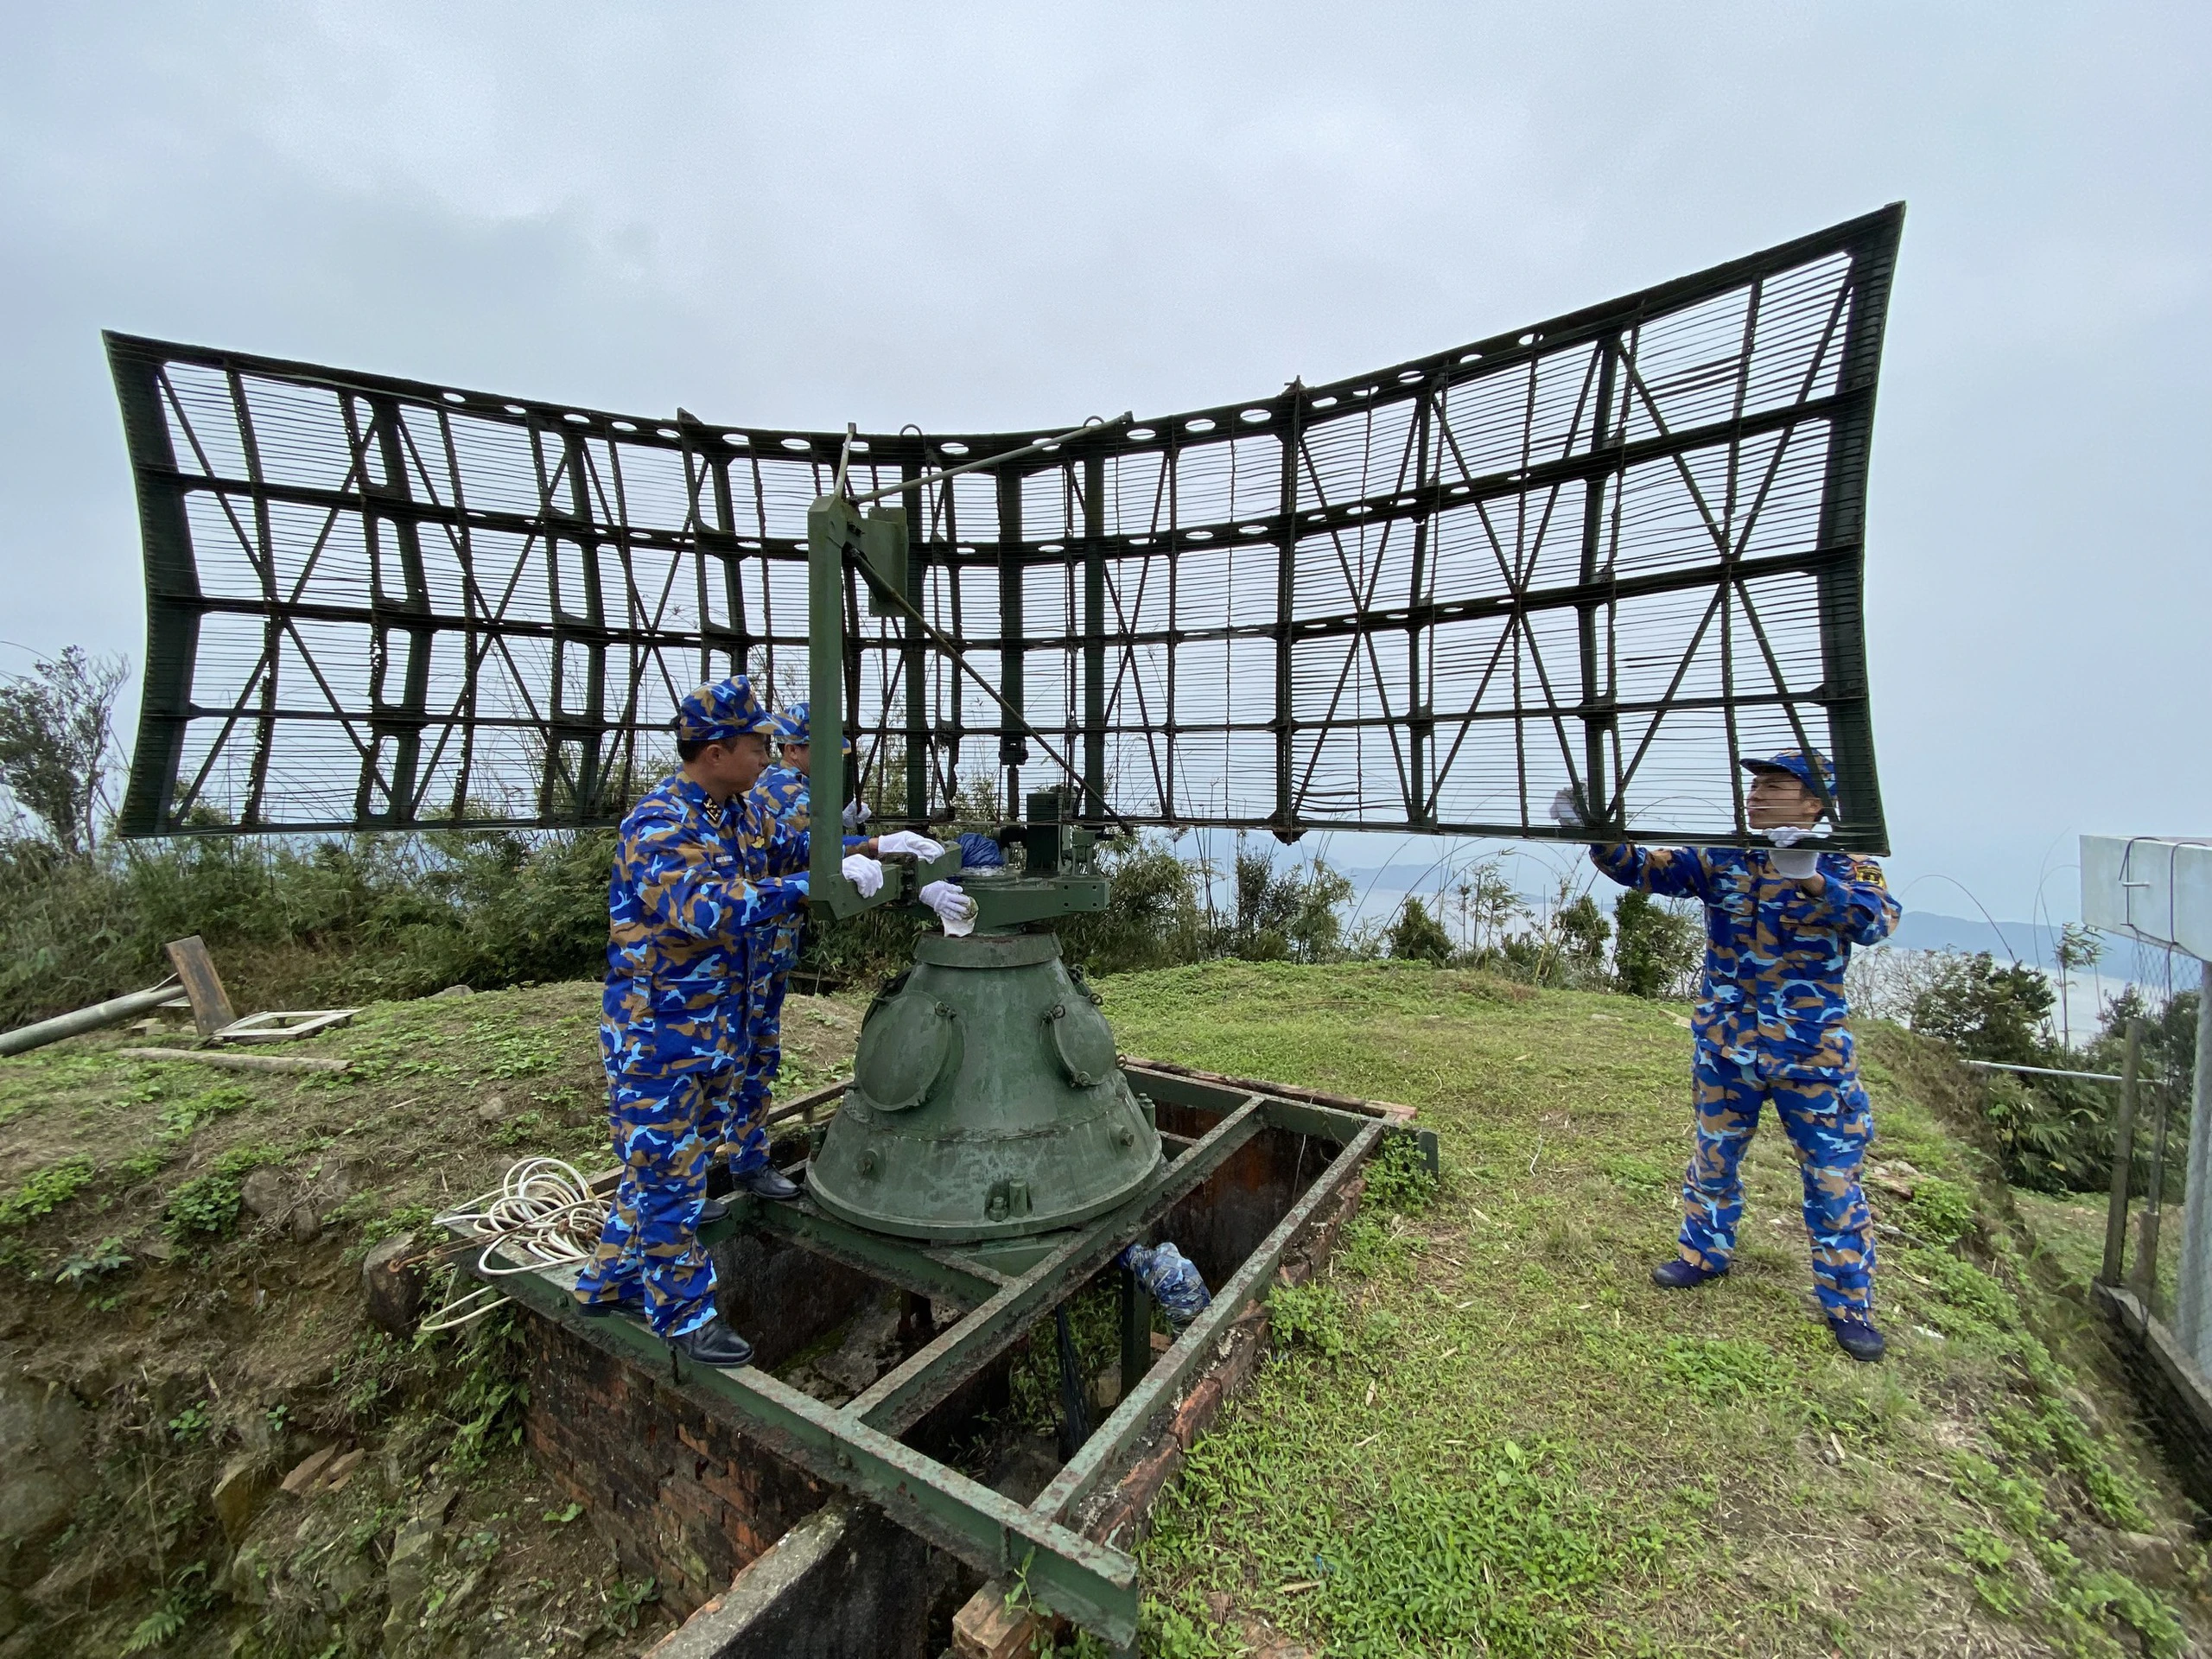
column 766, row 1182
column 714, row 1344
column 1858, row 1338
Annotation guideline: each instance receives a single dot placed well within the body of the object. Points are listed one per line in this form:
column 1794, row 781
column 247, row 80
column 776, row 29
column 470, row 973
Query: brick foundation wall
column 693, row 1501
column 678, row 1494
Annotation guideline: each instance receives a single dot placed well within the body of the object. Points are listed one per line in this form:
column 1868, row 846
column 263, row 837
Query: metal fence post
column 2123, row 1161
column 2193, row 1280
column 2146, row 1276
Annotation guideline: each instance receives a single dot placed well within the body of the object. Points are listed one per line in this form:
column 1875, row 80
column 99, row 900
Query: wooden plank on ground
column 284, row 1026
column 210, row 1004
column 233, row 1062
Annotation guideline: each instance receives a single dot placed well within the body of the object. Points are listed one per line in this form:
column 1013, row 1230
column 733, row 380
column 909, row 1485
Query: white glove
column 865, row 874
column 954, row 908
column 905, row 841
column 1795, row 864
column 856, row 814
column 1563, row 811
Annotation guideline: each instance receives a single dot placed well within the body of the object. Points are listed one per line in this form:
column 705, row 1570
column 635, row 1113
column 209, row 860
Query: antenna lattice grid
column 1618, row 551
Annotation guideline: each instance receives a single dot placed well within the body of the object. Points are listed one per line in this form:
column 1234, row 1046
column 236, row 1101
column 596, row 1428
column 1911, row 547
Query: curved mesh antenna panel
column 1616, row 551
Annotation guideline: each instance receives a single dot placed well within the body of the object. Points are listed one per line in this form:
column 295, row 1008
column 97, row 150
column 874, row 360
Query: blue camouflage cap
column 1799, row 764
column 793, row 723
column 714, row 714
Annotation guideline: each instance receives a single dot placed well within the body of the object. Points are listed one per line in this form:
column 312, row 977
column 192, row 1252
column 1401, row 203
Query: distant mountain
column 2033, row 944
column 1922, row 929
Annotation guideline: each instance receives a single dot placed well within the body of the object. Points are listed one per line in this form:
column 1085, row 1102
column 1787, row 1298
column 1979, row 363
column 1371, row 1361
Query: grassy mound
column 182, row 1324
column 1484, row 1432
column 1488, row 1432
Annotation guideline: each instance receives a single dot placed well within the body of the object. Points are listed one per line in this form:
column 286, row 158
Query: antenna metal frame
column 1617, row 553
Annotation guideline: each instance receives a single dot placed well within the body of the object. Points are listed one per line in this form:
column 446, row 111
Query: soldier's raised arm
column 1854, row 899
column 1671, row 872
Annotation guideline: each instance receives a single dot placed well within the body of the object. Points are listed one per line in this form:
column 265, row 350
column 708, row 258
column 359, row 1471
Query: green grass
column 194, row 1334
column 1484, row 1431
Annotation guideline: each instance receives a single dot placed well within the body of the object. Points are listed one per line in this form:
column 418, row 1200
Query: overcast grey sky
column 992, row 218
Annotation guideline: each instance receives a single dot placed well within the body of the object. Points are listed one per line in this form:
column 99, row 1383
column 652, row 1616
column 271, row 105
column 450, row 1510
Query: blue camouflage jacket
column 679, row 907
column 778, row 814
column 782, row 796
column 1774, row 955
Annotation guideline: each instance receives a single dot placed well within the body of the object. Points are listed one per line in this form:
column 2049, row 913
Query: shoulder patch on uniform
column 1866, row 870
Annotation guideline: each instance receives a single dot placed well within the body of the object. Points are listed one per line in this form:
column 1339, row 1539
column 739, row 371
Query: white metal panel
column 2158, row 888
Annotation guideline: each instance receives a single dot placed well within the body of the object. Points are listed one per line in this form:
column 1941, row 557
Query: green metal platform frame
column 1004, row 1289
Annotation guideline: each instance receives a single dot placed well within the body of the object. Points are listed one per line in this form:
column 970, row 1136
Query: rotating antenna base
column 986, row 1101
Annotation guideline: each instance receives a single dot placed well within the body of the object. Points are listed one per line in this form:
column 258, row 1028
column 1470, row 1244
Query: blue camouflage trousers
column 1828, row 1121
column 666, row 1131
column 748, row 1130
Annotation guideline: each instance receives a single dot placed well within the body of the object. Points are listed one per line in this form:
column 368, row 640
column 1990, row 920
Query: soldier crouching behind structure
column 679, row 911
column 1770, row 1027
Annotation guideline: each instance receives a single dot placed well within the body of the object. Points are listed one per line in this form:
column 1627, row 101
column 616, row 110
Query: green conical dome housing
column 986, row 1102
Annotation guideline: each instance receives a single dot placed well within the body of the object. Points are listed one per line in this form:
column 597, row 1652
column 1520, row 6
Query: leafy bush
column 1985, row 1012
column 1416, row 936
column 488, row 1398
column 1311, row 1316
column 1154, row 920
column 1659, row 945
column 291, row 924
column 1398, row 1176
column 2055, row 1134
column 1293, row 914
column 1582, row 931
column 95, row 1262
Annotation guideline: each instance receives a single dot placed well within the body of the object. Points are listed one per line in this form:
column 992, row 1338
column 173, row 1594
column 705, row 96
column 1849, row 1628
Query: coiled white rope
column 543, row 1214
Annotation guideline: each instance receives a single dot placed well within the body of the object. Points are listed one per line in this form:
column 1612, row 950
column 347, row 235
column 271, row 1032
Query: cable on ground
column 543, row 1214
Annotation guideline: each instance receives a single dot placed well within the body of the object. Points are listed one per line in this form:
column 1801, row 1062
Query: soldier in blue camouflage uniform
column 680, row 908
column 1780, row 925
column 780, row 800
column 776, row 838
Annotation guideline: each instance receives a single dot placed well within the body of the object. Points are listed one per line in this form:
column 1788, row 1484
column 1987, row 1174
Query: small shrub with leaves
column 186, row 1595
column 625, row 1602
column 1398, row 1176
column 208, row 1204
column 488, row 1399
column 1310, row 1315
column 46, row 1191
column 189, row 1427
column 94, row 1261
